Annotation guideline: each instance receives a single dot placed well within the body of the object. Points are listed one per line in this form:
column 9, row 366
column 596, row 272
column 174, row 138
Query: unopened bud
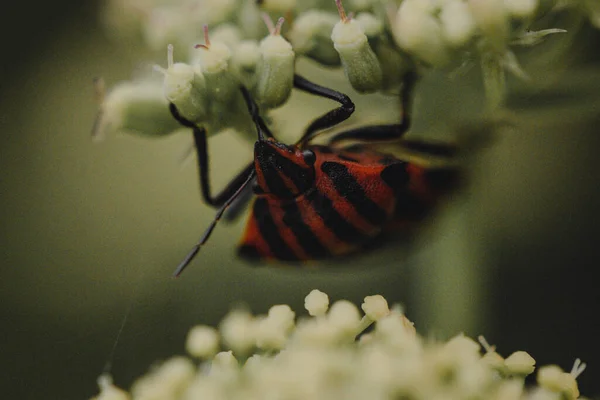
column 244, row 62
column 521, row 8
column 458, row 25
column 185, row 88
column 276, row 69
column 418, row 32
column 311, row 35
column 278, row 6
column 358, row 59
column 137, row 107
column 492, row 19
column 213, row 63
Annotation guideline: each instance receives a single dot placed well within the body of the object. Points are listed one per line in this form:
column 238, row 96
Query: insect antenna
column 262, row 131
column 196, row 249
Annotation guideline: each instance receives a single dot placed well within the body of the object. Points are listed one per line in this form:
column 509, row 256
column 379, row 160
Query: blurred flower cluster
column 221, row 44
column 328, row 355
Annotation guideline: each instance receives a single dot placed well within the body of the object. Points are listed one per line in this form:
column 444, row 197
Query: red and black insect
column 314, row 201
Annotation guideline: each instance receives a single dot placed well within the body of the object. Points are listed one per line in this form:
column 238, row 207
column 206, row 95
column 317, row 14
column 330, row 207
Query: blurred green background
column 90, row 230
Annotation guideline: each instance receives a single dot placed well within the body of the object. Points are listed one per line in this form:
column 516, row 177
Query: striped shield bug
column 318, row 201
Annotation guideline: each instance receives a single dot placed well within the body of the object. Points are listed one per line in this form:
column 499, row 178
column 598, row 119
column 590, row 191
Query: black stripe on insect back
column 268, row 230
column 408, row 206
column 349, row 188
column 275, row 183
column 337, row 224
column 272, row 165
column 297, row 174
column 396, row 176
column 305, row 236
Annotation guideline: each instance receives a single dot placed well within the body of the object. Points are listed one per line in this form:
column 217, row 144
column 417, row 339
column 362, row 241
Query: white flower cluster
column 375, row 48
column 277, row 356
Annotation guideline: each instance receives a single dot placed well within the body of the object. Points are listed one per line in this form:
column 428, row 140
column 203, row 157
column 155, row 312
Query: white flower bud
column 311, row 35
column 462, row 348
column 137, row 107
column 375, row 307
column 397, row 331
column 108, row 391
column 316, row 332
column 202, row 341
column 185, row 88
column 553, row 378
column 212, row 12
column 228, row 34
column 316, row 303
column 521, row 8
column 344, row 316
column 510, row 390
column 244, row 62
column 492, row 19
column 283, row 316
column 419, row 33
column 361, row 5
column 494, row 360
column 249, row 20
column 370, row 24
column 458, row 25
column 275, row 70
column 238, row 330
column 212, row 62
column 358, row 59
column 278, row 6
column 168, row 24
column 270, row 335
column 225, row 359
column 166, row 381
column 519, row 363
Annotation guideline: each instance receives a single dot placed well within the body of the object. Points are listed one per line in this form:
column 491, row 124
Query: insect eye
column 309, row 157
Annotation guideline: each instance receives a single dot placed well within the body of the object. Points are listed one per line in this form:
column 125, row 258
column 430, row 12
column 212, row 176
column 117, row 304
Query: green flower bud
column 521, row 8
column 212, row 12
column 184, row 87
column 277, row 6
column 491, row 17
column 311, row 36
column 213, row 63
column 358, row 59
column 457, row 23
column 137, row 107
column 419, row 33
column 249, row 20
column 275, row 70
column 371, row 25
column 244, row 62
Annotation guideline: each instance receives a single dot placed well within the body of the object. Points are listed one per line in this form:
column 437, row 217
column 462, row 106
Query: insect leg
column 196, row 249
column 330, row 118
column 200, row 142
column 390, row 131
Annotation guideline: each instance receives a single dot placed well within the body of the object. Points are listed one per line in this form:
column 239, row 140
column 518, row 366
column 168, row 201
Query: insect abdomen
column 349, row 205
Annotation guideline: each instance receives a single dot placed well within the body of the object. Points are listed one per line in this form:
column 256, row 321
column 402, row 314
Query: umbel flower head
column 373, row 42
column 327, row 355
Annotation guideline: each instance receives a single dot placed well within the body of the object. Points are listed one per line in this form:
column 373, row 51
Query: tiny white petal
column 521, row 8
column 316, row 303
column 202, row 341
column 520, row 363
column 375, row 307
column 457, row 22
